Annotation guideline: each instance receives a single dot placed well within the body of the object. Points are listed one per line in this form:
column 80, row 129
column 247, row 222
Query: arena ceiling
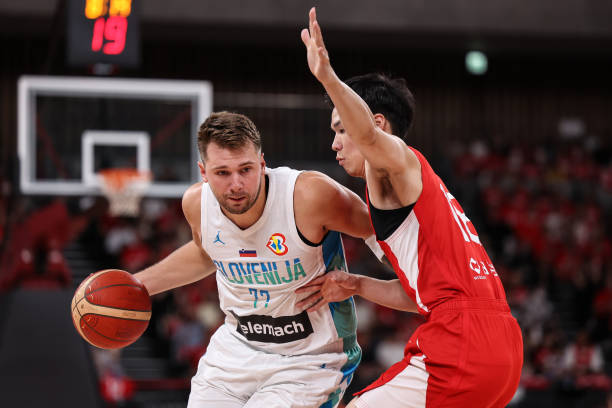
column 547, row 24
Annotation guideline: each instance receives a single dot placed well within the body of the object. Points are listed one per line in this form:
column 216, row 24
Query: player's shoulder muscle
column 313, row 187
column 390, row 155
column 323, row 196
column 395, row 181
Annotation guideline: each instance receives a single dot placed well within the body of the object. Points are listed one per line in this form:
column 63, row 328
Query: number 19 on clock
column 111, row 24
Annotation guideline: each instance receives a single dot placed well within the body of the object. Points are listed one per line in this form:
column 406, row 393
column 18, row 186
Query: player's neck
column 245, row 220
column 361, row 172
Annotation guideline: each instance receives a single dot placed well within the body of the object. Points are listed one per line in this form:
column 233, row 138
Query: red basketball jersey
column 436, row 252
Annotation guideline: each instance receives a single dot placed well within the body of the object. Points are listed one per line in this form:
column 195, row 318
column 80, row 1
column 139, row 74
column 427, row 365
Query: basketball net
column 124, row 189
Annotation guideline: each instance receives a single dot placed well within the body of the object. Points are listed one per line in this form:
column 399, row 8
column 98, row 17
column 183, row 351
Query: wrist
column 358, row 285
column 330, row 82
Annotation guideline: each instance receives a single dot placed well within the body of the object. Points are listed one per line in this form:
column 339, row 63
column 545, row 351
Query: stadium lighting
column 476, row 62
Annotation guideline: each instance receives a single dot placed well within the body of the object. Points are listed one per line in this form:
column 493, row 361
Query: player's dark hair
column 387, row 96
column 228, row 130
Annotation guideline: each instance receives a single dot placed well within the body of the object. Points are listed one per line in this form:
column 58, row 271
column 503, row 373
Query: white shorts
column 232, row 374
column 407, row 389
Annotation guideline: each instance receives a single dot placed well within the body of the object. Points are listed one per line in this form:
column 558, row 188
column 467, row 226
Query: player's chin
column 238, row 210
column 348, row 169
column 239, row 207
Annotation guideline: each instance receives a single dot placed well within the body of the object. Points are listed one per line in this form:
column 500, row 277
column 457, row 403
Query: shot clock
column 103, row 31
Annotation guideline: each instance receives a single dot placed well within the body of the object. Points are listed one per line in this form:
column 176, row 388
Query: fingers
column 317, row 34
column 314, row 29
column 305, row 36
column 319, row 304
column 312, row 17
column 316, row 281
column 310, row 301
column 309, row 288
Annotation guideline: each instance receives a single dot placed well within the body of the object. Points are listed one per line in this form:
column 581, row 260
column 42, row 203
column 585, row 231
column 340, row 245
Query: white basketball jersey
column 259, row 269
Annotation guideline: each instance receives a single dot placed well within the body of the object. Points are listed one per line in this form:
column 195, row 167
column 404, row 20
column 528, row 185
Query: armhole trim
column 307, row 242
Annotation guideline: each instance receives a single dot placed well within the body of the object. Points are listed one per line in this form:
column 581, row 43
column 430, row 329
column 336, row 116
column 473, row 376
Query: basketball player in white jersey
column 469, row 351
column 264, row 233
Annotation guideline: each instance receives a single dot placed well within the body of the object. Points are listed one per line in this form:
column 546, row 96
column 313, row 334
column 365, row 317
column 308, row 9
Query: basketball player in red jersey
column 469, row 351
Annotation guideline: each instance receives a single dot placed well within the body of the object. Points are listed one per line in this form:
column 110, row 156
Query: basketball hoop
column 124, row 188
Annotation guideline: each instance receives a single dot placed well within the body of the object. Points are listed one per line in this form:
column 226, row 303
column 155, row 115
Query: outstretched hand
column 334, row 286
column 318, row 58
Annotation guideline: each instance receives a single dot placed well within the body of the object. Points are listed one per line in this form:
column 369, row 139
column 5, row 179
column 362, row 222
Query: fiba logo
column 276, row 244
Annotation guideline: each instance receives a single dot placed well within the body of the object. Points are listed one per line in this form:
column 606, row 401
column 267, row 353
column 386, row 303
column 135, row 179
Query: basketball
column 111, row 309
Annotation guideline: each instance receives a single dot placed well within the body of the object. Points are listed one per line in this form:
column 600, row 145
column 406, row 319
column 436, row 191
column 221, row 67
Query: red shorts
column 468, row 353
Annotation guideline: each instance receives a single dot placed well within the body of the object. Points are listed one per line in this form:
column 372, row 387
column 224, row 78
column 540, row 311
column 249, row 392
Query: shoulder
column 396, row 157
column 312, row 177
column 312, row 186
column 395, row 180
column 414, row 153
column 316, row 200
column 191, row 203
column 413, row 158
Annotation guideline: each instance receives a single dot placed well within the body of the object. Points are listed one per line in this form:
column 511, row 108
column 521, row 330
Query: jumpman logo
column 218, row 241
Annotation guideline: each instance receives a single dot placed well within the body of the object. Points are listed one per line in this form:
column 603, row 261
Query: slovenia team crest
column 276, row 244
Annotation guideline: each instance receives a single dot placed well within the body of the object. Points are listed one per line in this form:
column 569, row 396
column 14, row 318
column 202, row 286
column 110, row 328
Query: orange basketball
column 111, row 309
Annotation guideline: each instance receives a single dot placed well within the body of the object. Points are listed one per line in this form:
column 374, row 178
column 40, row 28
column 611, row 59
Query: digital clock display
column 103, row 31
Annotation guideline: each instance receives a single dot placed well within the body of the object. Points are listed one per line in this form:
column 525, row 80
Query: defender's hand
column 334, row 286
column 318, row 58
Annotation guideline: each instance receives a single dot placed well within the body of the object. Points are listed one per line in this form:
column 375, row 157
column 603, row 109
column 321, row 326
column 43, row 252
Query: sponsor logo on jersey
column 268, row 329
column 247, row 253
column 218, row 242
column 276, row 244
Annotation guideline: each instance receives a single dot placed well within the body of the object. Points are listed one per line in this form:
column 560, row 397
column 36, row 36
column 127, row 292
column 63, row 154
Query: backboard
column 70, row 128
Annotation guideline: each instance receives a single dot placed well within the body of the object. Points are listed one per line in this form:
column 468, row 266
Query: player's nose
column 235, row 183
column 336, row 144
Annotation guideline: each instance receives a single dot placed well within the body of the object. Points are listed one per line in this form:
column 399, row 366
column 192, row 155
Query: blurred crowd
column 32, row 238
column 544, row 213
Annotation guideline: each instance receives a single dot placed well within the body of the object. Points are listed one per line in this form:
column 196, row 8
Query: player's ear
column 382, row 122
column 263, row 162
column 202, row 171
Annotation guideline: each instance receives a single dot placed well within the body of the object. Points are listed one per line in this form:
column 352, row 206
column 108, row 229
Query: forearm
column 357, row 118
column 185, row 265
column 386, row 293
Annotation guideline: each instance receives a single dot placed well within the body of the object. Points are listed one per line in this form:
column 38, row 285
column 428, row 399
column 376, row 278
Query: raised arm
column 387, row 156
column 186, row 264
column 382, row 150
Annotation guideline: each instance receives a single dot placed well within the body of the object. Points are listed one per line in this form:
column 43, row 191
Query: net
column 124, row 189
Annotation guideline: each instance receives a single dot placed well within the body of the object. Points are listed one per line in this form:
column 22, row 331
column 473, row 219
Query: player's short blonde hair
column 228, row 130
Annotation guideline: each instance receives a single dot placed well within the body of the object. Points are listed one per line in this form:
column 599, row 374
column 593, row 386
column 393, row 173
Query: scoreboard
column 103, row 31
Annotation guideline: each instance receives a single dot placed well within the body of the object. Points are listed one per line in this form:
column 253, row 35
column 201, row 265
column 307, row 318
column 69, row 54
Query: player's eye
column 341, row 131
column 245, row 169
column 222, row 173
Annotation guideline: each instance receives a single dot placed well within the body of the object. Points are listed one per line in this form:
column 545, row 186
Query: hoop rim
column 119, row 178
